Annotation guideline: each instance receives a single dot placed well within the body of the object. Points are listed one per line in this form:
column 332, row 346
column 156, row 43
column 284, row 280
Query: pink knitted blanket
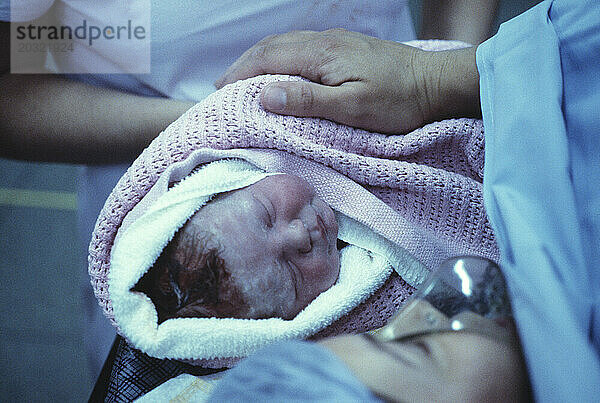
column 431, row 178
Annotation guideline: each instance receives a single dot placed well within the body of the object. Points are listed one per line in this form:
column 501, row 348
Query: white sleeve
column 23, row 10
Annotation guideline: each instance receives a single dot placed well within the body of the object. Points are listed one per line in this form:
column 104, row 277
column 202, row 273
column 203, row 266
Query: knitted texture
column 431, row 177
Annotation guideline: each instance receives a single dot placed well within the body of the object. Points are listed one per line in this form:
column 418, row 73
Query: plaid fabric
column 133, row 373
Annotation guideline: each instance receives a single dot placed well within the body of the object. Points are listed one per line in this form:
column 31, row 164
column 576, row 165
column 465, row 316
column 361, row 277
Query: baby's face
column 277, row 240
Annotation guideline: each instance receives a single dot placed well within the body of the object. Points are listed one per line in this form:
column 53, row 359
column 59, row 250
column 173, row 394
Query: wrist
column 453, row 82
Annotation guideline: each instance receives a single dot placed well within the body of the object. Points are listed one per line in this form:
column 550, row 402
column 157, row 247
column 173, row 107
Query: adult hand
column 361, row 81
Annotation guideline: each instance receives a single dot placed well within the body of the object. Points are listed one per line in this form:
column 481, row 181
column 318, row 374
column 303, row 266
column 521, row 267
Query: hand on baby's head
column 263, row 251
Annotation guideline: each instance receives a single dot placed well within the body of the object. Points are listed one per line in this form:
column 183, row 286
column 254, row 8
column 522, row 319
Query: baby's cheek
column 322, row 273
column 266, row 289
column 333, row 269
column 232, row 302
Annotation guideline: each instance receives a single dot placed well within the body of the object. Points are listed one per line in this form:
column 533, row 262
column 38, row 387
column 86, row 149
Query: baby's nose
column 295, row 237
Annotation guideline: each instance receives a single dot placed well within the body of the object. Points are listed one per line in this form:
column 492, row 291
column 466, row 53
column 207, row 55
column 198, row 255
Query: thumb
column 303, row 99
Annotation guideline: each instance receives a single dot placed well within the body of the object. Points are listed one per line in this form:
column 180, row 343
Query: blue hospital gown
column 540, row 98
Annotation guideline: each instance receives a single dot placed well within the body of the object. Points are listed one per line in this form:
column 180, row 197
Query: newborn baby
column 402, row 203
column 266, row 250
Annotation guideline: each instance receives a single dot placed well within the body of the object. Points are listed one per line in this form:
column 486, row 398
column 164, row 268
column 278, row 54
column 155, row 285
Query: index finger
column 294, row 53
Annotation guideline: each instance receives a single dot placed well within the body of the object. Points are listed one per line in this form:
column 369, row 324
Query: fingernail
column 274, row 99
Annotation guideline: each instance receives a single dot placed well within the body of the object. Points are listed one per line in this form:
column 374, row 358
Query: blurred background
column 41, row 265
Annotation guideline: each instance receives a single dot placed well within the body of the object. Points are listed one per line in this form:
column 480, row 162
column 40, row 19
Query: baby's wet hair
column 189, row 287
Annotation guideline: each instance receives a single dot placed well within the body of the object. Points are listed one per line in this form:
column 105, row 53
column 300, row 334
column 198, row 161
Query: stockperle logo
column 115, row 41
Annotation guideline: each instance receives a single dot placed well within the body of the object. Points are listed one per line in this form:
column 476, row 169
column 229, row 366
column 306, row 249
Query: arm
column 362, row 81
column 465, row 20
column 49, row 118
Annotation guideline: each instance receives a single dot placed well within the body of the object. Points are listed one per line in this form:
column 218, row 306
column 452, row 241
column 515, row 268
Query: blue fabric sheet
column 292, row 371
column 540, row 98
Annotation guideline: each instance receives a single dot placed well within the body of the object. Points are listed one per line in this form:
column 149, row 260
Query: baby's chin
column 327, row 280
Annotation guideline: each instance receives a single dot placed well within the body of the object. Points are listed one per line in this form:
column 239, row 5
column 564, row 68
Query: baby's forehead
column 231, row 222
column 224, row 210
